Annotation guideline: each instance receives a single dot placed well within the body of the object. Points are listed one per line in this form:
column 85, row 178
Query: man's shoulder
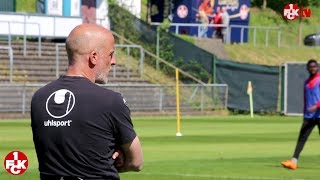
column 104, row 93
column 104, row 90
column 45, row 89
column 109, row 98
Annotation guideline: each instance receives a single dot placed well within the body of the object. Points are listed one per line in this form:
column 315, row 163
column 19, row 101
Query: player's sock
column 294, row 160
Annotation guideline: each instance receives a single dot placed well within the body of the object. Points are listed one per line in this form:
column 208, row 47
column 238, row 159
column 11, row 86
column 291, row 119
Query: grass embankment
column 272, row 55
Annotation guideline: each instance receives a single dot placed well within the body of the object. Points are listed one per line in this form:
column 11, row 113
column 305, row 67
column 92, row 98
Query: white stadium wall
column 133, row 6
column 102, row 17
column 50, row 26
column 60, row 18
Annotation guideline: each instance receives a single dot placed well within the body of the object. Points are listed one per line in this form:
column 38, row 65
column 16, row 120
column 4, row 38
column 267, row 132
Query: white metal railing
column 127, row 46
column 229, row 30
column 10, row 34
column 177, row 25
column 11, row 61
column 140, row 97
column 23, row 25
column 58, row 58
column 142, row 53
column 141, row 57
column 267, row 29
column 159, row 60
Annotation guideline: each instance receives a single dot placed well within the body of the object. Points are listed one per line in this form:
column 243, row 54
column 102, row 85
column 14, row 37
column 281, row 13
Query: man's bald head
column 86, row 38
column 90, row 51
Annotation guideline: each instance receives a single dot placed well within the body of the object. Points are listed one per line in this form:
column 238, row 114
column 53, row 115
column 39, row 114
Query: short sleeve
column 124, row 132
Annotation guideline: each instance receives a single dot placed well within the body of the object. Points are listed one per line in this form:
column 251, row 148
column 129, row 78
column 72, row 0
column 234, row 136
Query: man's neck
column 73, row 71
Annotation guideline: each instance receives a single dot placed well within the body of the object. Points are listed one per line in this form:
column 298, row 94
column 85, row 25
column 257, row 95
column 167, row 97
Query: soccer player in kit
column 81, row 130
column 311, row 112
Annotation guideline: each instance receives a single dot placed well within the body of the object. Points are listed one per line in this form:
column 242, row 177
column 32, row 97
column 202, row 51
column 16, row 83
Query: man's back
column 76, row 127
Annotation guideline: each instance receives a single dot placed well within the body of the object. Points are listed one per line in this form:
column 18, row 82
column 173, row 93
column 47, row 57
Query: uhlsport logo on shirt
column 16, row 162
column 58, row 105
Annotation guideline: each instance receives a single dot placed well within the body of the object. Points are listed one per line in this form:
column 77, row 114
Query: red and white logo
column 292, row 12
column 16, row 162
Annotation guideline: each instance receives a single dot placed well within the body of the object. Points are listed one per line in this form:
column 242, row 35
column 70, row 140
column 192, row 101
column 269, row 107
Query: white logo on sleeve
column 125, row 102
column 60, row 103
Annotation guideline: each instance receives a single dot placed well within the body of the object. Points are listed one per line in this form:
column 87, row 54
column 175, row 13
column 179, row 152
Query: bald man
column 81, row 130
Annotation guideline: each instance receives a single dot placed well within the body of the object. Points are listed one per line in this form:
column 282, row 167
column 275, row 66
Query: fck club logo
column 293, row 11
column 16, row 162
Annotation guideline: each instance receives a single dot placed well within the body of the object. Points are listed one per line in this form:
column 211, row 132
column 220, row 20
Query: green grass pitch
column 235, row 147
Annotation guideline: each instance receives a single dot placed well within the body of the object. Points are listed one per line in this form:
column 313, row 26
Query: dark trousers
column 49, row 177
column 306, row 129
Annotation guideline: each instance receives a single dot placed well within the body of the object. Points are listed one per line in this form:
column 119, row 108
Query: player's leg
column 318, row 123
column 305, row 131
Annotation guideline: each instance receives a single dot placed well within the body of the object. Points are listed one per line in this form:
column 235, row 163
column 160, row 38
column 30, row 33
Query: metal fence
column 229, row 30
column 199, row 26
column 22, row 25
column 134, row 60
column 254, row 37
column 278, row 36
column 129, row 48
column 16, row 98
column 132, row 50
column 10, row 53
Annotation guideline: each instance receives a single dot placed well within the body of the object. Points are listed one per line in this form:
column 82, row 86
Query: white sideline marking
column 216, row 177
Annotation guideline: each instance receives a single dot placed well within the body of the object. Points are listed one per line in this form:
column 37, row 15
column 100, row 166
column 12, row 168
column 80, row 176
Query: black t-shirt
column 76, row 127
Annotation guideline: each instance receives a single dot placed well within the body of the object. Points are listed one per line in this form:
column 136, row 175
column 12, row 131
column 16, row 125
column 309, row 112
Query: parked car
column 312, row 40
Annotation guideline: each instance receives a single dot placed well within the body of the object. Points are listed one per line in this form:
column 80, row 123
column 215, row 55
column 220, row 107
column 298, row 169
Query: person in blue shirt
column 311, row 112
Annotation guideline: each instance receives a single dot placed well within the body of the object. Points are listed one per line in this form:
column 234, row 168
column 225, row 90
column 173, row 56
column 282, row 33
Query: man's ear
column 93, row 58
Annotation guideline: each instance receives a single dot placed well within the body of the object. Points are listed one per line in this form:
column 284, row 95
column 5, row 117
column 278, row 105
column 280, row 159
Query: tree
column 148, row 15
column 314, row 3
column 301, row 3
column 264, row 5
